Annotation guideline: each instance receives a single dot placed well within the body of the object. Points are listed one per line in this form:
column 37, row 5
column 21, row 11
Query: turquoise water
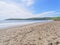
column 10, row 23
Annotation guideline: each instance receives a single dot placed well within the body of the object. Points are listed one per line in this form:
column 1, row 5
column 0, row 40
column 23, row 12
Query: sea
column 11, row 23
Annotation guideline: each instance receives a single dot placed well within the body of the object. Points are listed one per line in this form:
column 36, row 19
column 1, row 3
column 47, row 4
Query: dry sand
column 33, row 34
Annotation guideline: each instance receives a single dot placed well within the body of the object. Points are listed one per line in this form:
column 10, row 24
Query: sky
column 29, row 8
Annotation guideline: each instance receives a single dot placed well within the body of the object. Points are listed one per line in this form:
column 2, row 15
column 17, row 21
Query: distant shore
column 32, row 34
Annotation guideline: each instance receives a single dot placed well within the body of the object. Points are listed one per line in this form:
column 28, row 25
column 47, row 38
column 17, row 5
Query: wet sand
column 32, row 34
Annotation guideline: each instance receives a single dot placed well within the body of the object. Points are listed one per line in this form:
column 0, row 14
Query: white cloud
column 13, row 11
column 28, row 2
column 47, row 14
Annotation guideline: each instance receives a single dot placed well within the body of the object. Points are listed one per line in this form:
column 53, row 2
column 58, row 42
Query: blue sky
column 29, row 8
column 46, row 5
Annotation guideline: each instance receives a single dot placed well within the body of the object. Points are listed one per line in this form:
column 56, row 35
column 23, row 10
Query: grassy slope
column 56, row 18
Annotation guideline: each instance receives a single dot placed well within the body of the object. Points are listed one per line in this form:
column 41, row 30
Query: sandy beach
column 32, row 34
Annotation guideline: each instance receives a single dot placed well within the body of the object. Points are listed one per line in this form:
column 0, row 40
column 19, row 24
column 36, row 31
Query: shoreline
column 16, row 26
column 32, row 34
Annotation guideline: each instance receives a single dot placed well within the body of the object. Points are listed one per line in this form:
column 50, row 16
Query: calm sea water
column 9, row 23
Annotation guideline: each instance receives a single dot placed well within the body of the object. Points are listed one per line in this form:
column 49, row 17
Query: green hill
column 36, row 18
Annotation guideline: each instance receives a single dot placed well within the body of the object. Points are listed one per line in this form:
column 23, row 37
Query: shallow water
column 9, row 23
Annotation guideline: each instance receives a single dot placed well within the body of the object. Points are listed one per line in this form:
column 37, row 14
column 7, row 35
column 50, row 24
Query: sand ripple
column 34, row 34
